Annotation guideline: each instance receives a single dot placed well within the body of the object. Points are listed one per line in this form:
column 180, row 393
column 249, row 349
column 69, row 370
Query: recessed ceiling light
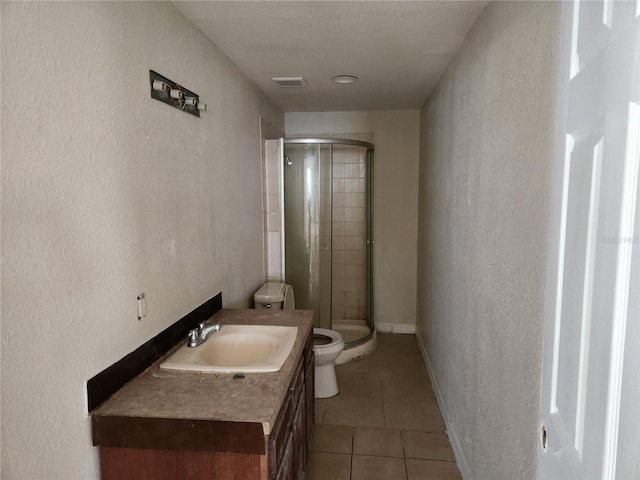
column 345, row 79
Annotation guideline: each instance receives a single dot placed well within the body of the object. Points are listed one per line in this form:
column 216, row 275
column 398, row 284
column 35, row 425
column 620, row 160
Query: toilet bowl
column 327, row 344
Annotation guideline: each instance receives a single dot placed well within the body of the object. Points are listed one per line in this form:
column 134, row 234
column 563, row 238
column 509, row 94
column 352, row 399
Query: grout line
column 353, row 441
column 377, row 456
column 406, row 468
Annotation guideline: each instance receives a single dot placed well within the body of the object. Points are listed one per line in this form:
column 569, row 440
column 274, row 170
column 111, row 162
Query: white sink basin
column 235, row 349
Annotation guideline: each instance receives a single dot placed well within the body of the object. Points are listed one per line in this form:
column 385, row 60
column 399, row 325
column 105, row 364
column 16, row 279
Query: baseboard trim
column 451, row 432
column 385, row 327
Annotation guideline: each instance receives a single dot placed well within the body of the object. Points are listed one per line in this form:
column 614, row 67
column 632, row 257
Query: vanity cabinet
column 289, row 446
column 170, row 448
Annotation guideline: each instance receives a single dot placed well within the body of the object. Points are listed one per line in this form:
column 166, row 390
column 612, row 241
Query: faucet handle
column 193, row 336
column 201, row 325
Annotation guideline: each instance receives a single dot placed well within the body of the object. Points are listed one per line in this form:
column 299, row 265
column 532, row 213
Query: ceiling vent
column 290, row 82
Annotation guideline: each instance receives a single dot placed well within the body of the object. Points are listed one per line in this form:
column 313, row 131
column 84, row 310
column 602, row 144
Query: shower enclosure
column 328, row 232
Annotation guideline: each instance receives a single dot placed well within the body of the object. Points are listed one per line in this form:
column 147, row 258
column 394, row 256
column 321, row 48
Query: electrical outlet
column 142, row 306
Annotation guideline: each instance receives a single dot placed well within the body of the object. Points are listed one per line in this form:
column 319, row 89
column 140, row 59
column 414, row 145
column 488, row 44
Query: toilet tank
column 274, row 295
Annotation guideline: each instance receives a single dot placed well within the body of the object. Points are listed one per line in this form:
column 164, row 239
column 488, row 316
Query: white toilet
column 327, row 344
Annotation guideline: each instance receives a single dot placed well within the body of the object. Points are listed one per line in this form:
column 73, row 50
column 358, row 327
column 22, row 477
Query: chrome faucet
column 198, row 335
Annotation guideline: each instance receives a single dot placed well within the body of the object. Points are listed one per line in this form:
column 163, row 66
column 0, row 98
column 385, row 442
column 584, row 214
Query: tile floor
column 385, row 423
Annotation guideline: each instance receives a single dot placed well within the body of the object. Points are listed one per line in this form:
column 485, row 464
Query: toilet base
column 326, row 383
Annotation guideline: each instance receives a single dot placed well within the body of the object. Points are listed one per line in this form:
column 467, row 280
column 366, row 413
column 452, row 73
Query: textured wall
column 107, row 193
column 485, row 161
column 395, row 209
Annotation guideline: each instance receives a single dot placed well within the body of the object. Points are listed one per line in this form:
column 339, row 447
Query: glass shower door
column 307, row 210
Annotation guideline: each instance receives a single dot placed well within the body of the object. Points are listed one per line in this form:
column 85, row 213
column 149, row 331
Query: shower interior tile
column 353, row 228
column 273, row 222
column 352, row 199
column 351, row 299
column 357, row 170
column 353, row 257
column 338, row 243
column 350, row 312
column 354, row 285
column 351, row 243
column 339, row 171
column 338, row 257
column 273, row 203
column 338, row 271
column 339, row 200
column 352, row 155
column 338, row 214
column 339, row 284
column 351, row 185
column 273, row 184
column 338, row 185
column 271, row 165
column 337, row 312
column 338, row 155
column 274, row 256
column 351, row 214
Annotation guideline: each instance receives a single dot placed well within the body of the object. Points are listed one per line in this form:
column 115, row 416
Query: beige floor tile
column 408, row 385
column 412, row 413
column 402, row 363
column 382, row 442
column 387, row 412
column 432, row 470
column 319, row 407
column 365, row 467
column 355, row 411
column 427, row 445
column 332, row 439
column 369, row 364
column 362, row 384
column 328, row 466
column 398, row 342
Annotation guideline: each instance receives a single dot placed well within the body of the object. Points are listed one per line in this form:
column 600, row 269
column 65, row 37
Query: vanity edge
column 177, row 410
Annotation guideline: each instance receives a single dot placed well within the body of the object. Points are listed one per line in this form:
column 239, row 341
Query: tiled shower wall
column 348, row 233
column 271, row 212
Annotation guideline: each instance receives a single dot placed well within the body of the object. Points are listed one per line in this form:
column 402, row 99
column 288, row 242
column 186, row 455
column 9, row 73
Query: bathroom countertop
column 169, row 403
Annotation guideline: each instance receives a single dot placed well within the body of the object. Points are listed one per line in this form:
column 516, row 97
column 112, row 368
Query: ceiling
column 398, row 49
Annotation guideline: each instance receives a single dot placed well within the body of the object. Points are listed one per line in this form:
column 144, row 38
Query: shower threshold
column 351, row 330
